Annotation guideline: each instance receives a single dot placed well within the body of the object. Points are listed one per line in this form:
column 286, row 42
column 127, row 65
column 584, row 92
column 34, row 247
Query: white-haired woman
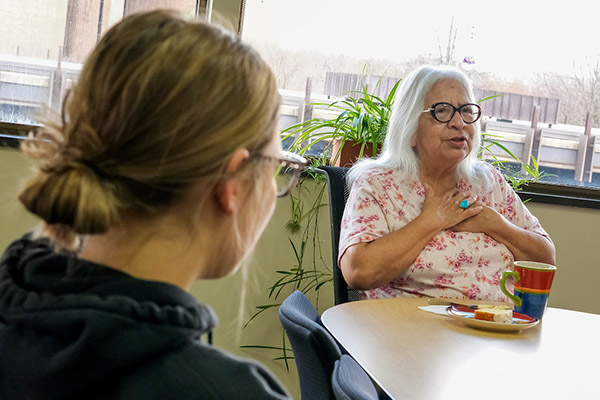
column 427, row 218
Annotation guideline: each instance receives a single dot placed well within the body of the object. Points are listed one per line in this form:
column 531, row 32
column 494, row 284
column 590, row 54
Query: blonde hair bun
column 72, row 195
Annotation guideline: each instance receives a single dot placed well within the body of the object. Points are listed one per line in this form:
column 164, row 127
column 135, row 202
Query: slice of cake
column 502, row 314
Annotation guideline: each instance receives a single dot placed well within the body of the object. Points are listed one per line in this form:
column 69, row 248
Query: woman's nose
column 457, row 121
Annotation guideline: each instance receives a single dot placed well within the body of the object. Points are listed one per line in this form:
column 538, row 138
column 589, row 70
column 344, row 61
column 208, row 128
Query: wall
column 574, row 231
column 14, row 220
column 575, row 234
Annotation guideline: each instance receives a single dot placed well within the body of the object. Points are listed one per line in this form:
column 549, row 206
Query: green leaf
column 502, row 147
column 262, row 309
column 489, row 98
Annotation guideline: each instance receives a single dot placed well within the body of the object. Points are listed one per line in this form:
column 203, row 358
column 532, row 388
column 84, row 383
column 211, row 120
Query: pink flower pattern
column 453, row 264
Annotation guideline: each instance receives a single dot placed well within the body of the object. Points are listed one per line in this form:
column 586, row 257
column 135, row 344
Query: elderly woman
column 160, row 172
column 427, row 218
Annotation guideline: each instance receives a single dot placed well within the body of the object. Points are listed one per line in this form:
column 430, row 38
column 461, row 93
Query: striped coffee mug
column 532, row 282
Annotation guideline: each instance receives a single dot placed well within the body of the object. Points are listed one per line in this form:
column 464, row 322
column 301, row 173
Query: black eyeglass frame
column 455, row 109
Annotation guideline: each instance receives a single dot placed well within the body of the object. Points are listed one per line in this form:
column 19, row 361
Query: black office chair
column 338, row 194
column 351, row 382
column 315, row 350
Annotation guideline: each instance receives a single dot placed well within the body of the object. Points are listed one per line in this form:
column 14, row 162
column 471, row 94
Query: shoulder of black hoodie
column 199, row 371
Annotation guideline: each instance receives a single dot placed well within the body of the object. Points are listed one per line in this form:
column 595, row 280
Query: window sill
column 572, row 196
column 10, row 134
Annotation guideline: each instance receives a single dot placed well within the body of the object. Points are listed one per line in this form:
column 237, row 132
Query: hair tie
column 97, row 170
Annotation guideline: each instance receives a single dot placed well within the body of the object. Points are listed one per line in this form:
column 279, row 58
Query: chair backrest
column 315, row 350
column 351, row 382
column 338, row 194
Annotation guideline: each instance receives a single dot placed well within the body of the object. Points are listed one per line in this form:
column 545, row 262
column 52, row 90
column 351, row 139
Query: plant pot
column 349, row 153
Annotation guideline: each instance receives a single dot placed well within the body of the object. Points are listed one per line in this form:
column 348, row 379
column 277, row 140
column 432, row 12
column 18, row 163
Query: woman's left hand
column 523, row 244
column 484, row 222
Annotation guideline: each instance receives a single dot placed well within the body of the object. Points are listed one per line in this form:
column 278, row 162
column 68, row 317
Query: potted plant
column 358, row 131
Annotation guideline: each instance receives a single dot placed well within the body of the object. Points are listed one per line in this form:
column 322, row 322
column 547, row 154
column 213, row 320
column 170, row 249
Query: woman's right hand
column 443, row 211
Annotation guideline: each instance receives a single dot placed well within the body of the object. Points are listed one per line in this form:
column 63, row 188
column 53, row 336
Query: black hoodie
column 74, row 329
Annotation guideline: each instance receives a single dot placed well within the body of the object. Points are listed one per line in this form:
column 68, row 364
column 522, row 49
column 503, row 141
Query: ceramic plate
column 465, row 315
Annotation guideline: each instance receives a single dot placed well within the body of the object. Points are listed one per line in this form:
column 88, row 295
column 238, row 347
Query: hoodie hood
column 67, row 325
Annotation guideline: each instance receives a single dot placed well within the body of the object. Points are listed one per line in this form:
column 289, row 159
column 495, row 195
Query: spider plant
column 517, row 177
column 362, row 120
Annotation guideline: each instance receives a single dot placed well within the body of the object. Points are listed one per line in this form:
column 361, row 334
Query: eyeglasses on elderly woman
column 444, row 112
column 288, row 172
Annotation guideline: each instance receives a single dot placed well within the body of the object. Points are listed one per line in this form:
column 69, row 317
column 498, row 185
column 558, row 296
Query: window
column 536, row 54
column 44, row 43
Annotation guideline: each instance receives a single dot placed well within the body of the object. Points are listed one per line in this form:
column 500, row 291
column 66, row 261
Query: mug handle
column 517, row 278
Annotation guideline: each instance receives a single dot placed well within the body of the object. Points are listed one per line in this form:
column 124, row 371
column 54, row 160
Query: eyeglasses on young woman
column 288, row 171
column 444, row 112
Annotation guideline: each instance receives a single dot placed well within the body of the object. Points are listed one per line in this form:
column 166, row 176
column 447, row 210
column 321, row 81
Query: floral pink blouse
column 453, row 264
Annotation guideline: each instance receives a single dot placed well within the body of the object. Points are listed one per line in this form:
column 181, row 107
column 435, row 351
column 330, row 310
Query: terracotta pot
column 349, row 153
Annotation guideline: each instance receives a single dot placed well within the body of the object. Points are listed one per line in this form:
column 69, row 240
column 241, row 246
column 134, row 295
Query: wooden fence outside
column 509, row 106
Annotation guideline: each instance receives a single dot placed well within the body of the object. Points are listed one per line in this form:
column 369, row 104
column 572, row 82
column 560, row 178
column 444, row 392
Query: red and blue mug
column 532, row 283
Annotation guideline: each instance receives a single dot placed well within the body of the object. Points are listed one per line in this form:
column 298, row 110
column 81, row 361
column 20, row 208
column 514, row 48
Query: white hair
column 397, row 151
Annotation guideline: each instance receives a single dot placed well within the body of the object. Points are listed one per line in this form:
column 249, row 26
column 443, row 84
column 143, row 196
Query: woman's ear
column 227, row 193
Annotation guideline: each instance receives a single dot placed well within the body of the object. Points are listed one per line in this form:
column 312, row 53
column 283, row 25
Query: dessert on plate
column 502, row 314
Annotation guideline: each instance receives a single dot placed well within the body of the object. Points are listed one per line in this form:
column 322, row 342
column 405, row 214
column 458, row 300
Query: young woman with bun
column 163, row 169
